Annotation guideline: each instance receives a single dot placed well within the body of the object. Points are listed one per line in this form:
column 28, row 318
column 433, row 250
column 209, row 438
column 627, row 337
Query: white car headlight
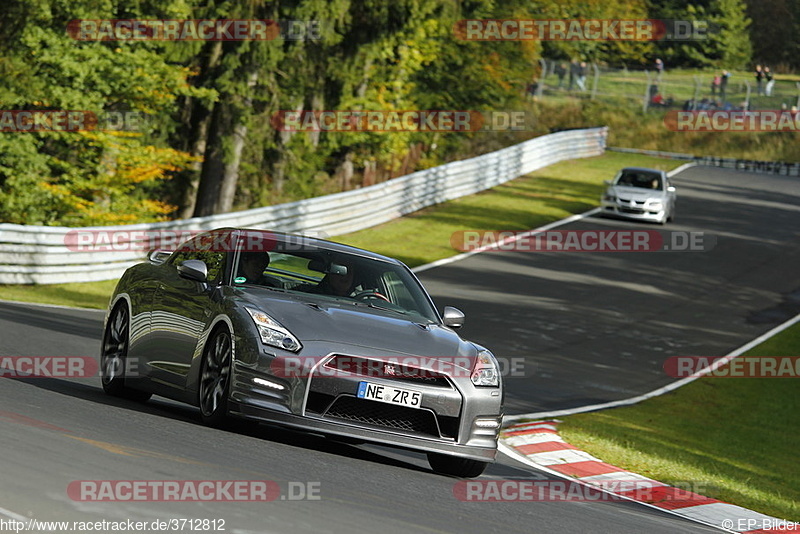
column 654, row 204
column 486, row 372
column 274, row 333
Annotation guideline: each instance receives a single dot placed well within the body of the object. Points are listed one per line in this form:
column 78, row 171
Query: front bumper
column 629, row 212
column 454, row 417
column 385, row 437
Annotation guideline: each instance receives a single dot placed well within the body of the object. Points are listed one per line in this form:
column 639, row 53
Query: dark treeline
column 205, row 143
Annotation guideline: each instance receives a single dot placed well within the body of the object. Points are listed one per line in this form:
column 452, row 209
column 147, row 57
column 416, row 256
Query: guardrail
column 738, row 164
column 48, row 255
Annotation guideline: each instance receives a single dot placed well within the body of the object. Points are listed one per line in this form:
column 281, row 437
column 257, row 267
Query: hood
column 357, row 325
column 636, row 193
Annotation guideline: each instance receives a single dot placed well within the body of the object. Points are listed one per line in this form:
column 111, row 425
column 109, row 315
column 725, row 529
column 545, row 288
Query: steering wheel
column 371, row 293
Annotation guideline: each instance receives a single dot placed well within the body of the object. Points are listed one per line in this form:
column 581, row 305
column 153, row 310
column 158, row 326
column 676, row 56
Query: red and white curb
column 539, row 443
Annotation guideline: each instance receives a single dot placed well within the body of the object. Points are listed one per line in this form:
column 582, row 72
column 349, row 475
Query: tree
column 773, row 32
column 733, row 48
column 85, row 177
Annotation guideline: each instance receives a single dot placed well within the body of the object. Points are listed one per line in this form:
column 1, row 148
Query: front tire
column 445, row 464
column 215, row 379
column 114, row 356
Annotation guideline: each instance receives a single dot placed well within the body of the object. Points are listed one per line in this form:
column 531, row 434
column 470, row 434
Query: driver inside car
column 340, row 285
column 252, row 266
column 352, row 283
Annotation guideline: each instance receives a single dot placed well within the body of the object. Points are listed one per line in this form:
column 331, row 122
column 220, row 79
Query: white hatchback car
column 640, row 193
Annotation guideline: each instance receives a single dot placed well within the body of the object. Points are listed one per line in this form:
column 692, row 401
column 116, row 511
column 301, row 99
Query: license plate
column 389, row 394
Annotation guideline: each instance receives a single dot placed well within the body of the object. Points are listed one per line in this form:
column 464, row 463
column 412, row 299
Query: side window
column 214, row 260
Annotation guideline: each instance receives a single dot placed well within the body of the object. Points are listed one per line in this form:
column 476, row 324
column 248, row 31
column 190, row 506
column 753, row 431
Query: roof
column 309, row 242
column 642, row 169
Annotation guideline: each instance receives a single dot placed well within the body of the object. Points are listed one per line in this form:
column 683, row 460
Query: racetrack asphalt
column 591, row 327
column 594, row 327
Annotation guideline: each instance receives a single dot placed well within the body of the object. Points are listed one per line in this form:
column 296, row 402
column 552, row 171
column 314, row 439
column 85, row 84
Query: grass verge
column 546, row 195
column 629, row 127
column 541, row 197
column 79, row 295
column 736, row 437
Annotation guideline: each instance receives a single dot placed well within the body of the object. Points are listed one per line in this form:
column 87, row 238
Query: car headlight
column 486, row 372
column 272, row 332
column 654, row 204
column 609, row 197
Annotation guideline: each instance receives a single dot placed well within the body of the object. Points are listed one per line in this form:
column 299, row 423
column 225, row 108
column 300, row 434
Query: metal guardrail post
column 747, row 96
column 646, row 103
column 542, row 76
column 798, row 94
column 698, row 83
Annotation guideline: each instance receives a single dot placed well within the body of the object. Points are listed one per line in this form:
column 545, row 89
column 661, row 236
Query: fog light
column 273, row 385
column 487, row 423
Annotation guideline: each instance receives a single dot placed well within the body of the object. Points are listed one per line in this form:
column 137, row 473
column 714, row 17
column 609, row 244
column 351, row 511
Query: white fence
column 51, row 255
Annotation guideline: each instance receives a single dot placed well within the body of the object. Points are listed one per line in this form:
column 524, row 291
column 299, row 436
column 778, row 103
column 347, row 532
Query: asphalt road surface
column 594, row 327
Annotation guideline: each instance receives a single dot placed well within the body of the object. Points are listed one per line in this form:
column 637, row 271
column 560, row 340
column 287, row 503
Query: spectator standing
column 561, row 71
column 723, row 84
column 770, row 81
column 573, row 73
column 532, row 89
column 759, row 74
column 715, row 84
column 659, row 66
column 582, row 76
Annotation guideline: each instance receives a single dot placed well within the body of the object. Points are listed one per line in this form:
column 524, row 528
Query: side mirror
column 453, row 317
column 607, row 182
column 671, row 189
column 193, row 270
column 157, row 257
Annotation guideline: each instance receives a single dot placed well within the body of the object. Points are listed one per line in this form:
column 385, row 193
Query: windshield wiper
column 373, row 305
column 279, row 289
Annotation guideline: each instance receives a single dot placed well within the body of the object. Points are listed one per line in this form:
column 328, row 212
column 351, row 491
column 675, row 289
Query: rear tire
column 114, row 356
column 215, row 379
column 445, row 464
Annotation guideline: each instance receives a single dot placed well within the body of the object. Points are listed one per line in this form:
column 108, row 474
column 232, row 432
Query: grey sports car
column 305, row 333
column 640, row 193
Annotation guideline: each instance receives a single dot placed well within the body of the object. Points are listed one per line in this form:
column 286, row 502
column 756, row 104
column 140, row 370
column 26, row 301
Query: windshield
column 319, row 273
column 642, row 179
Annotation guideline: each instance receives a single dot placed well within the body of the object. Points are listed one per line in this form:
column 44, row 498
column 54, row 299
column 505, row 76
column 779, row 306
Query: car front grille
column 370, row 368
column 384, row 415
column 624, row 209
column 632, row 202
